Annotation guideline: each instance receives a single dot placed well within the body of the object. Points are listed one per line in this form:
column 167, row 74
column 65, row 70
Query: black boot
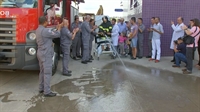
column 91, row 58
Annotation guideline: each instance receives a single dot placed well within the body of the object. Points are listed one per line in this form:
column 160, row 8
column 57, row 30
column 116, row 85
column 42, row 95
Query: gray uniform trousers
column 76, row 46
column 86, row 31
column 86, row 43
column 65, row 60
column 76, row 43
column 81, row 48
column 45, row 72
column 44, row 54
column 149, row 47
column 140, row 46
column 65, row 41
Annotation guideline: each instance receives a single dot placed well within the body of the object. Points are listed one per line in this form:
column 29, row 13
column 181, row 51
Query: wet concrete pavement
column 112, row 88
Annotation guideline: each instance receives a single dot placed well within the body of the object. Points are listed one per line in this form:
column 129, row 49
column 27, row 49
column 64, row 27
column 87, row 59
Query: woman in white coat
column 115, row 33
column 178, row 32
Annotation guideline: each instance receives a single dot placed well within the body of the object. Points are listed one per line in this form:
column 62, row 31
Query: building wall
column 129, row 9
column 167, row 10
column 125, row 6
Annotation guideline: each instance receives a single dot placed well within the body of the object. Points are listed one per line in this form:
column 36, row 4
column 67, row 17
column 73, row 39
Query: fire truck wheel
column 55, row 63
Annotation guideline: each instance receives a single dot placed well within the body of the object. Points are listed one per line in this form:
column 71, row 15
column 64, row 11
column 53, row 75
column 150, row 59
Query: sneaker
column 41, row 91
column 140, row 57
column 133, row 58
column 156, row 61
column 51, row 94
column 187, row 72
column 79, row 56
column 75, row 58
column 84, row 62
column 151, row 59
column 67, row 74
column 148, row 56
column 91, row 58
column 175, row 66
column 184, row 70
column 172, row 60
column 89, row 61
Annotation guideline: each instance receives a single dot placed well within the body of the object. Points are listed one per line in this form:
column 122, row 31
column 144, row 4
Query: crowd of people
column 183, row 51
column 127, row 38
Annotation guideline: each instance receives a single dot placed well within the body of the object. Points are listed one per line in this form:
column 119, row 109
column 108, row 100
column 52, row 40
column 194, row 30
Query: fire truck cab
column 18, row 22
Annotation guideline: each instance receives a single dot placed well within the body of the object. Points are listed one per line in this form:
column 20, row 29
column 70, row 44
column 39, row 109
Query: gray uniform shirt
column 44, row 38
column 74, row 25
column 85, row 28
column 142, row 27
column 66, row 37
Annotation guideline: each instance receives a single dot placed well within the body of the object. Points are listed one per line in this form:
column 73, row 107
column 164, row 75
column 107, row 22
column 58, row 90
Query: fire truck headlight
column 32, row 36
column 32, row 51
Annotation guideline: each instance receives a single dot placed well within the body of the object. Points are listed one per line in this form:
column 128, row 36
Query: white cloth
column 178, row 32
column 51, row 13
column 115, row 34
column 156, row 47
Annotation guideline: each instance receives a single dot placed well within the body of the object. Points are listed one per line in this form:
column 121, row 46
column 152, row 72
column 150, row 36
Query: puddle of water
column 111, row 90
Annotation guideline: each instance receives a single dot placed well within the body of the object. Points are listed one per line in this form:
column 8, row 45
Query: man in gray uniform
column 86, row 30
column 65, row 40
column 140, row 41
column 150, row 37
column 76, row 43
column 45, row 52
column 92, row 36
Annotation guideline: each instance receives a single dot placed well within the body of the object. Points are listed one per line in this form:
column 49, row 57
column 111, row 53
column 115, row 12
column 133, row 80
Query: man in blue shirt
column 180, row 52
column 122, row 26
column 156, row 42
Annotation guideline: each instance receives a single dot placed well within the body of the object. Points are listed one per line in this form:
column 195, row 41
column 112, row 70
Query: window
column 19, row 3
column 133, row 4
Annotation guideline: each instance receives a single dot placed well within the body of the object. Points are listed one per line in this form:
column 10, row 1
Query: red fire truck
column 18, row 22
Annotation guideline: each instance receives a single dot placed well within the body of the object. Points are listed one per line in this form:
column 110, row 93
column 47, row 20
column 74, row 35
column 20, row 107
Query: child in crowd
column 121, row 42
column 126, row 47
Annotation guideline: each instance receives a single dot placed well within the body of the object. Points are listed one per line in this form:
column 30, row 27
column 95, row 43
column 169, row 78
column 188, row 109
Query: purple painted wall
column 168, row 10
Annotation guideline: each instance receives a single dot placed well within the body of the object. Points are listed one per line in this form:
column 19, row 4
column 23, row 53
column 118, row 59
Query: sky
column 92, row 6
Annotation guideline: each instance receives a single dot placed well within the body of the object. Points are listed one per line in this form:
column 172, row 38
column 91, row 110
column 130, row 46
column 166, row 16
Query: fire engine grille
column 7, row 39
column 7, row 31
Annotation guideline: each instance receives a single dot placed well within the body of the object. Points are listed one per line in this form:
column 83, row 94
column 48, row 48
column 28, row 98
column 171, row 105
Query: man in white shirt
column 51, row 13
column 157, row 31
column 178, row 32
